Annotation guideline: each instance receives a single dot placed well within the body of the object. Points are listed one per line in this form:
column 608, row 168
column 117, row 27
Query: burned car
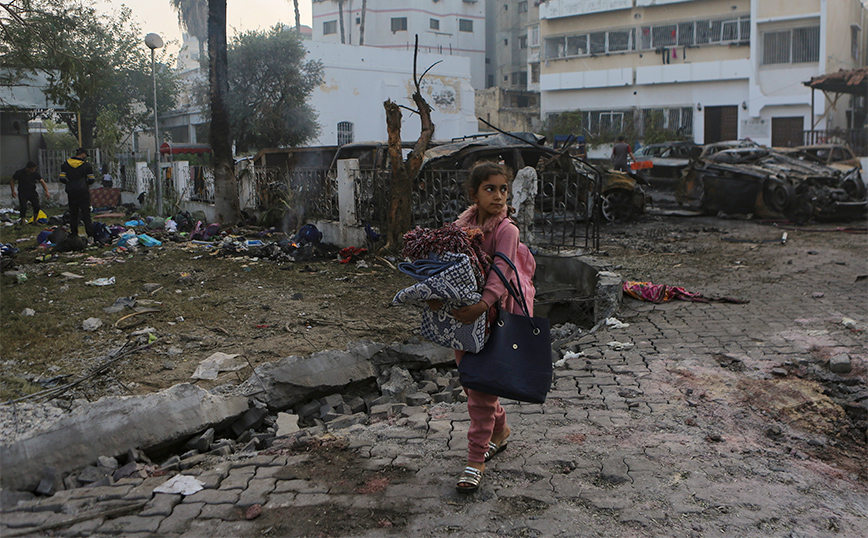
column 668, row 160
column 567, row 184
column 760, row 181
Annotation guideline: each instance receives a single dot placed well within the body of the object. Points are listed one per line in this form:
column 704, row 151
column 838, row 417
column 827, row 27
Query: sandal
column 494, row 449
column 468, row 482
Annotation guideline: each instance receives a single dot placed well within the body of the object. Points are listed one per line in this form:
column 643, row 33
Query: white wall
column 447, row 40
column 357, row 80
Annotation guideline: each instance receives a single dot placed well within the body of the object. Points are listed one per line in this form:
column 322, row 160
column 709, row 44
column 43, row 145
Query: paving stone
column 214, row 496
column 224, row 512
column 238, row 478
column 83, row 528
column 299, row 486
column 280, row 500
column 161, row 505
column 127, row 525
column 180, row 518
column 257, row 461
column 257, row 492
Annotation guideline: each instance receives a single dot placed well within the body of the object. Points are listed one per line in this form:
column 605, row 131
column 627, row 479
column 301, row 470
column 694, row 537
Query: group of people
column 76, row 174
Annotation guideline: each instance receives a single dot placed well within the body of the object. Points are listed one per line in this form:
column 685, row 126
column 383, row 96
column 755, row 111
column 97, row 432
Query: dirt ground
column 207, row 301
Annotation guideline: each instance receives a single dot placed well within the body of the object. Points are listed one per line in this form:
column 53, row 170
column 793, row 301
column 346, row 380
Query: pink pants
column 486, row 417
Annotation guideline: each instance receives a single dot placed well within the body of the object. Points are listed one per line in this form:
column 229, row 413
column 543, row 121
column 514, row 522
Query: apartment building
column 709, row 70
column 446, row 27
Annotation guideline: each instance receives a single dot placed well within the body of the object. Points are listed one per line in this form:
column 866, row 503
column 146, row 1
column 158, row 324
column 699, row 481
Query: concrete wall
column 358, row 80
column 447, row 40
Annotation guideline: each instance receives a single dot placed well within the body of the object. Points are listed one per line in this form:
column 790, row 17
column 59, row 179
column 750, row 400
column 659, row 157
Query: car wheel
column 617, row 205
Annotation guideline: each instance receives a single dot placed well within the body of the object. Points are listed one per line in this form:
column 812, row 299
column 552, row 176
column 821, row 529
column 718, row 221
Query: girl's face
column 491, row 196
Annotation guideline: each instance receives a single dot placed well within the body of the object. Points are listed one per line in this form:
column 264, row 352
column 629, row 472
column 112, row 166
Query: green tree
column 92, row 61
column 193, row 16
column 57, row 138
column 269, row 84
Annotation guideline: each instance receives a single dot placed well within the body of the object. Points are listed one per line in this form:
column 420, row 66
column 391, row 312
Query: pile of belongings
column 449, row 266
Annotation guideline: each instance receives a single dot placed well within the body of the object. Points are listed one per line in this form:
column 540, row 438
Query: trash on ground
column 615, row 323
column 211, row 367
column 101, row 282
column 181, row 484
column 620, row 346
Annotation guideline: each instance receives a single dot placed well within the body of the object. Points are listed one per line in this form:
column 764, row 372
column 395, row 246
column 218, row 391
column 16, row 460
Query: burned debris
column 768, row 183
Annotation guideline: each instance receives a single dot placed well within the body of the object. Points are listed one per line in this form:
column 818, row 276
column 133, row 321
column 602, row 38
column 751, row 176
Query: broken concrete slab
column 292, row 380
column 119, row 423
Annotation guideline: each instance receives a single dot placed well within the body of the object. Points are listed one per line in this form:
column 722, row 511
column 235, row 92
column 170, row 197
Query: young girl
column 488, row 188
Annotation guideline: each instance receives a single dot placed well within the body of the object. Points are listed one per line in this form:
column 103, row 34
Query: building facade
column 444, row 27
column 709, row 70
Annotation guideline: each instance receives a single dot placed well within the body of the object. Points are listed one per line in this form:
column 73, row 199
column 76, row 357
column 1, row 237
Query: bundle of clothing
column 450, row 267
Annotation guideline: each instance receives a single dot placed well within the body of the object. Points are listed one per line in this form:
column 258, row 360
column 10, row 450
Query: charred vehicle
column 568, row 185
column 668, row 160
column 770, row 184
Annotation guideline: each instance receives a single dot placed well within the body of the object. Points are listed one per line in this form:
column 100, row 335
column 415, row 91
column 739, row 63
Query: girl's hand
column 468, row 314
column 435, row 304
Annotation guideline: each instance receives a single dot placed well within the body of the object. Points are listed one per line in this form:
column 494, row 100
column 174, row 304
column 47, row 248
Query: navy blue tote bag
column 516, row 362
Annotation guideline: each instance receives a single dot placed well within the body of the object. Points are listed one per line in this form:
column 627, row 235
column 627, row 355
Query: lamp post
column 154, row 41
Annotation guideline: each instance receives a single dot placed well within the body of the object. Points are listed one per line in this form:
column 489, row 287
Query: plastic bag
column 148, row 241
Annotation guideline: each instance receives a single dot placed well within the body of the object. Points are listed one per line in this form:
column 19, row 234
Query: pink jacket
column 500, row 234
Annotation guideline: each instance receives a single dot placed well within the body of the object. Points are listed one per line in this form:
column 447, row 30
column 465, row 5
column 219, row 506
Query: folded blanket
column 453, row 283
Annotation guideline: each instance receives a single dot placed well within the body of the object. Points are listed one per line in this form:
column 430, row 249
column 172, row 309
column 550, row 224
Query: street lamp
column 154, row 41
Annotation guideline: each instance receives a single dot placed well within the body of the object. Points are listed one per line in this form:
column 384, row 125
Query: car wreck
column 759, row 181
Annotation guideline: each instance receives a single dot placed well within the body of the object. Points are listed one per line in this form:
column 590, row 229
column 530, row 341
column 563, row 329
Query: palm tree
column 193, row 16
column 297, row 17
column 362, row 26
column 341, row 17
column 226, row 204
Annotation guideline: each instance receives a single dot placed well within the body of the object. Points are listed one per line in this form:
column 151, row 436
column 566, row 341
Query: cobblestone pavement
column 696, row 420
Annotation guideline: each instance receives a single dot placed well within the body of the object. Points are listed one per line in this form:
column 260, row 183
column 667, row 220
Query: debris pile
column 761, row 181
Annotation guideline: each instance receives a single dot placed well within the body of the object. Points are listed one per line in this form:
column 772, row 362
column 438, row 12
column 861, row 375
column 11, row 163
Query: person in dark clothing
column 27, row 179
column 619, row 155
column 77, row 174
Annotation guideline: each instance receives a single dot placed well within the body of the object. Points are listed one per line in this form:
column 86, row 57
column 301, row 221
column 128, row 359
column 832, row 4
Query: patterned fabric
column 420, row 243
column 661, row 293
column 454, row 286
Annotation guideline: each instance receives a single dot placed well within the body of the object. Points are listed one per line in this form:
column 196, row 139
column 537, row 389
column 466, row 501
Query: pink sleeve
column 505, row 241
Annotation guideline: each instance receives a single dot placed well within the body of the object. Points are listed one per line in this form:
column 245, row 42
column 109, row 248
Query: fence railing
column 564, row 213
column 856, row 139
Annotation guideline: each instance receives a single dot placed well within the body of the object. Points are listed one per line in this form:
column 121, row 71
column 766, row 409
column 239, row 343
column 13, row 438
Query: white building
column 357, row 80
column 708, row 69
column 444, row 27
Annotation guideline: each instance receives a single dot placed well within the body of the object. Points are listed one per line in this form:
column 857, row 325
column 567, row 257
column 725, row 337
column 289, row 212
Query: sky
column 158, row 16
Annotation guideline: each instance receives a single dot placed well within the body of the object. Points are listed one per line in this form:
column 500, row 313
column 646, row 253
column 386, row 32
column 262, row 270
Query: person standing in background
column 77, row 174
column 106, row 177
column 27, row 179
column 619, row 155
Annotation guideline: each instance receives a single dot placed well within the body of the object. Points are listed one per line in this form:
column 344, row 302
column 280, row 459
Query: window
column 798, row 45
column 434, row 24
column 854, row 41
column 534, row 73
column 329, row 27
column 399, row 24
column 345, row 133
column 522, row 42
column 522, row 7
column 465, row 25
column 533, row 36
column 519, row 78
column 505, row 42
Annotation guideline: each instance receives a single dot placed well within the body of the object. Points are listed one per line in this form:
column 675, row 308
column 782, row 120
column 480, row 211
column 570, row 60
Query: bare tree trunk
column 226, row 203
column 404, row 173
column 362, row 25
column 297, row 17
column 341, row 17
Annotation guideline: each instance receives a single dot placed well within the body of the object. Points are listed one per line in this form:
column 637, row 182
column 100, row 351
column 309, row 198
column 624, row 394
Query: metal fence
column 855, row 138
column 564, row 213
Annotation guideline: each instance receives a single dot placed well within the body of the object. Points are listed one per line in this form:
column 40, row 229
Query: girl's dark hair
column 483, row 170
